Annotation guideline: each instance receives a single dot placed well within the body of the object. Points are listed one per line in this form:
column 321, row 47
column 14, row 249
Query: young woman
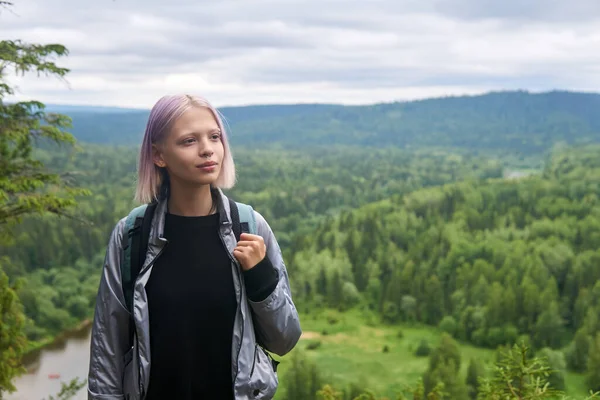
column 204, row 304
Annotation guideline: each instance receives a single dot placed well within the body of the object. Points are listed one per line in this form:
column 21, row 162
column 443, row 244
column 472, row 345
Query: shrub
column 424, row 349
column 313, row 345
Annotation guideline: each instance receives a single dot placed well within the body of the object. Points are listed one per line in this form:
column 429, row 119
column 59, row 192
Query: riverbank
column 58, row 342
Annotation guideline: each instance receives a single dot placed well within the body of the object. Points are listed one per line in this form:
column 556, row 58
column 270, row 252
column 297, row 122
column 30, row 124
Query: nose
column 205, row 150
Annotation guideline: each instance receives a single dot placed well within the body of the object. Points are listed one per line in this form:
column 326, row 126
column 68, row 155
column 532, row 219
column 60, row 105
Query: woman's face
column 192, row 152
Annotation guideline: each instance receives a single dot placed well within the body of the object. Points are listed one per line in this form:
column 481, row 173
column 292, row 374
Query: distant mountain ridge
column 69, row 108
column 518, row 120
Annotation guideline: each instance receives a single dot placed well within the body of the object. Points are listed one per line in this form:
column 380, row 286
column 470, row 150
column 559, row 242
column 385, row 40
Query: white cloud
column 129, row 53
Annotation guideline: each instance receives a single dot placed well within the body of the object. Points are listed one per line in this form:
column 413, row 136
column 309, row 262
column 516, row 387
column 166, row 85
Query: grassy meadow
column 348, row 347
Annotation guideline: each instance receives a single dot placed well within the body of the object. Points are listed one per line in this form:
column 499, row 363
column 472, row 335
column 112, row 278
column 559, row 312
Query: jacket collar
column 158, row 221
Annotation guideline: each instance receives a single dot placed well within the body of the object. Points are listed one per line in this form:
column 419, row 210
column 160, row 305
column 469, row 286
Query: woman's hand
column 250, row 250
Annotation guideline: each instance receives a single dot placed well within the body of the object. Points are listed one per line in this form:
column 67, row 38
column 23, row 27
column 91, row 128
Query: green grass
column 351, row 351
column 576, row 387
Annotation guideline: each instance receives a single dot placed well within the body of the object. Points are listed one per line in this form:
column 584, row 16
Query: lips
column 207, row 164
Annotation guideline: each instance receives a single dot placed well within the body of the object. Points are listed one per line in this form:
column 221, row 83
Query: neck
column 190, row 202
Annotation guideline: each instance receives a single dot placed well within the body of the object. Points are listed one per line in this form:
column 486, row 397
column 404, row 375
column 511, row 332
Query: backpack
column 137, row 228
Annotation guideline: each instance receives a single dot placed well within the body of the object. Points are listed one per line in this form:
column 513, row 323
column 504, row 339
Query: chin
column 203, row 182
column 194, row 180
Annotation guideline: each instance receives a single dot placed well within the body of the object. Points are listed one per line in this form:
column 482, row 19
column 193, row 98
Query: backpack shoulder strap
column 133, row 225
column 247, row 218
column 242, row 218
column 137, row 229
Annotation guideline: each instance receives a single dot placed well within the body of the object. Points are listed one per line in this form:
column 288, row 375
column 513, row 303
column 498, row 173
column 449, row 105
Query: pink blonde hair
column 162, row 116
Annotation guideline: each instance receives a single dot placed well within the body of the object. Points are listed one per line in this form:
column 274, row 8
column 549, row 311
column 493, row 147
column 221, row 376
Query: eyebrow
column 211, row 131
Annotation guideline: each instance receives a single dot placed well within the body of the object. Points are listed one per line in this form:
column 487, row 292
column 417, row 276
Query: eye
column 188, row 141
column 216, row 136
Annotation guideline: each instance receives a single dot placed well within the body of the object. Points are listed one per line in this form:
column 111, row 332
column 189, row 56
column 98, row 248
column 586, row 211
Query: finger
column 239, row 253
column 246, row 244
column 250, row 236
column 244, row 251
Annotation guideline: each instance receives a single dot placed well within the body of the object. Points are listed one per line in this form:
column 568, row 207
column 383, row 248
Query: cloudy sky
column 236, row 52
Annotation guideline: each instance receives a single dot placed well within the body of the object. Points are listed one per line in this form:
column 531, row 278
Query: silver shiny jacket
column 119, row 372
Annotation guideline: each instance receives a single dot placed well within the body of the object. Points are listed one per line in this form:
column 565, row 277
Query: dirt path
column 310, row 335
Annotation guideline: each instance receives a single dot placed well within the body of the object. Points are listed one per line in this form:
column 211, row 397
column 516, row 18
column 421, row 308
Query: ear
column 157, row 157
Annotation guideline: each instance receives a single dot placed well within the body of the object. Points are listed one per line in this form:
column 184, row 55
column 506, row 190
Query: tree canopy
column 27, row 186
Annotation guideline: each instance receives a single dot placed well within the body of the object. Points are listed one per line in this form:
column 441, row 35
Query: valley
column 473, row 219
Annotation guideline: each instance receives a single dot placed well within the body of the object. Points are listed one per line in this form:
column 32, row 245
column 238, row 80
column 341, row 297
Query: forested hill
column 112, row 125
column 486, row 261
column 518, row 121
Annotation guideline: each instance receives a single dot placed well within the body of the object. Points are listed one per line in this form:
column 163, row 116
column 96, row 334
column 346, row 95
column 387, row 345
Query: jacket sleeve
column 109, row 340
column 276, row 320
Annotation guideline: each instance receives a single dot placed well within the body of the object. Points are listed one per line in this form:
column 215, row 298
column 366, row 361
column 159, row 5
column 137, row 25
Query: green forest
column 430, row 237
column 424, row 247
column 487, row 261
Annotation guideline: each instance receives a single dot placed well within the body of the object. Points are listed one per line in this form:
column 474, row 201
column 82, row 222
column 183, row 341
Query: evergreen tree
column 26, row 185
column 12, row 337
column 322, row 282
column 444, row 367
column 549, row 327
column 517, row 375
column 593, row 366
column 555, row 360
column 475, row 372
column 336, row 290
column 303, row 379
column 579, row 350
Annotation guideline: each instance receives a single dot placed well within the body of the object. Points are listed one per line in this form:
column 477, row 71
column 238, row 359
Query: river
column 68, row 356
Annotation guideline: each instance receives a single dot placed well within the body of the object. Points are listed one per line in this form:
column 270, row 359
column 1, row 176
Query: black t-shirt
column 192, row 306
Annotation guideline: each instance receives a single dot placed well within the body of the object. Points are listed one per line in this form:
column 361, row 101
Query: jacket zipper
column 237, row 358
column 139, row 359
